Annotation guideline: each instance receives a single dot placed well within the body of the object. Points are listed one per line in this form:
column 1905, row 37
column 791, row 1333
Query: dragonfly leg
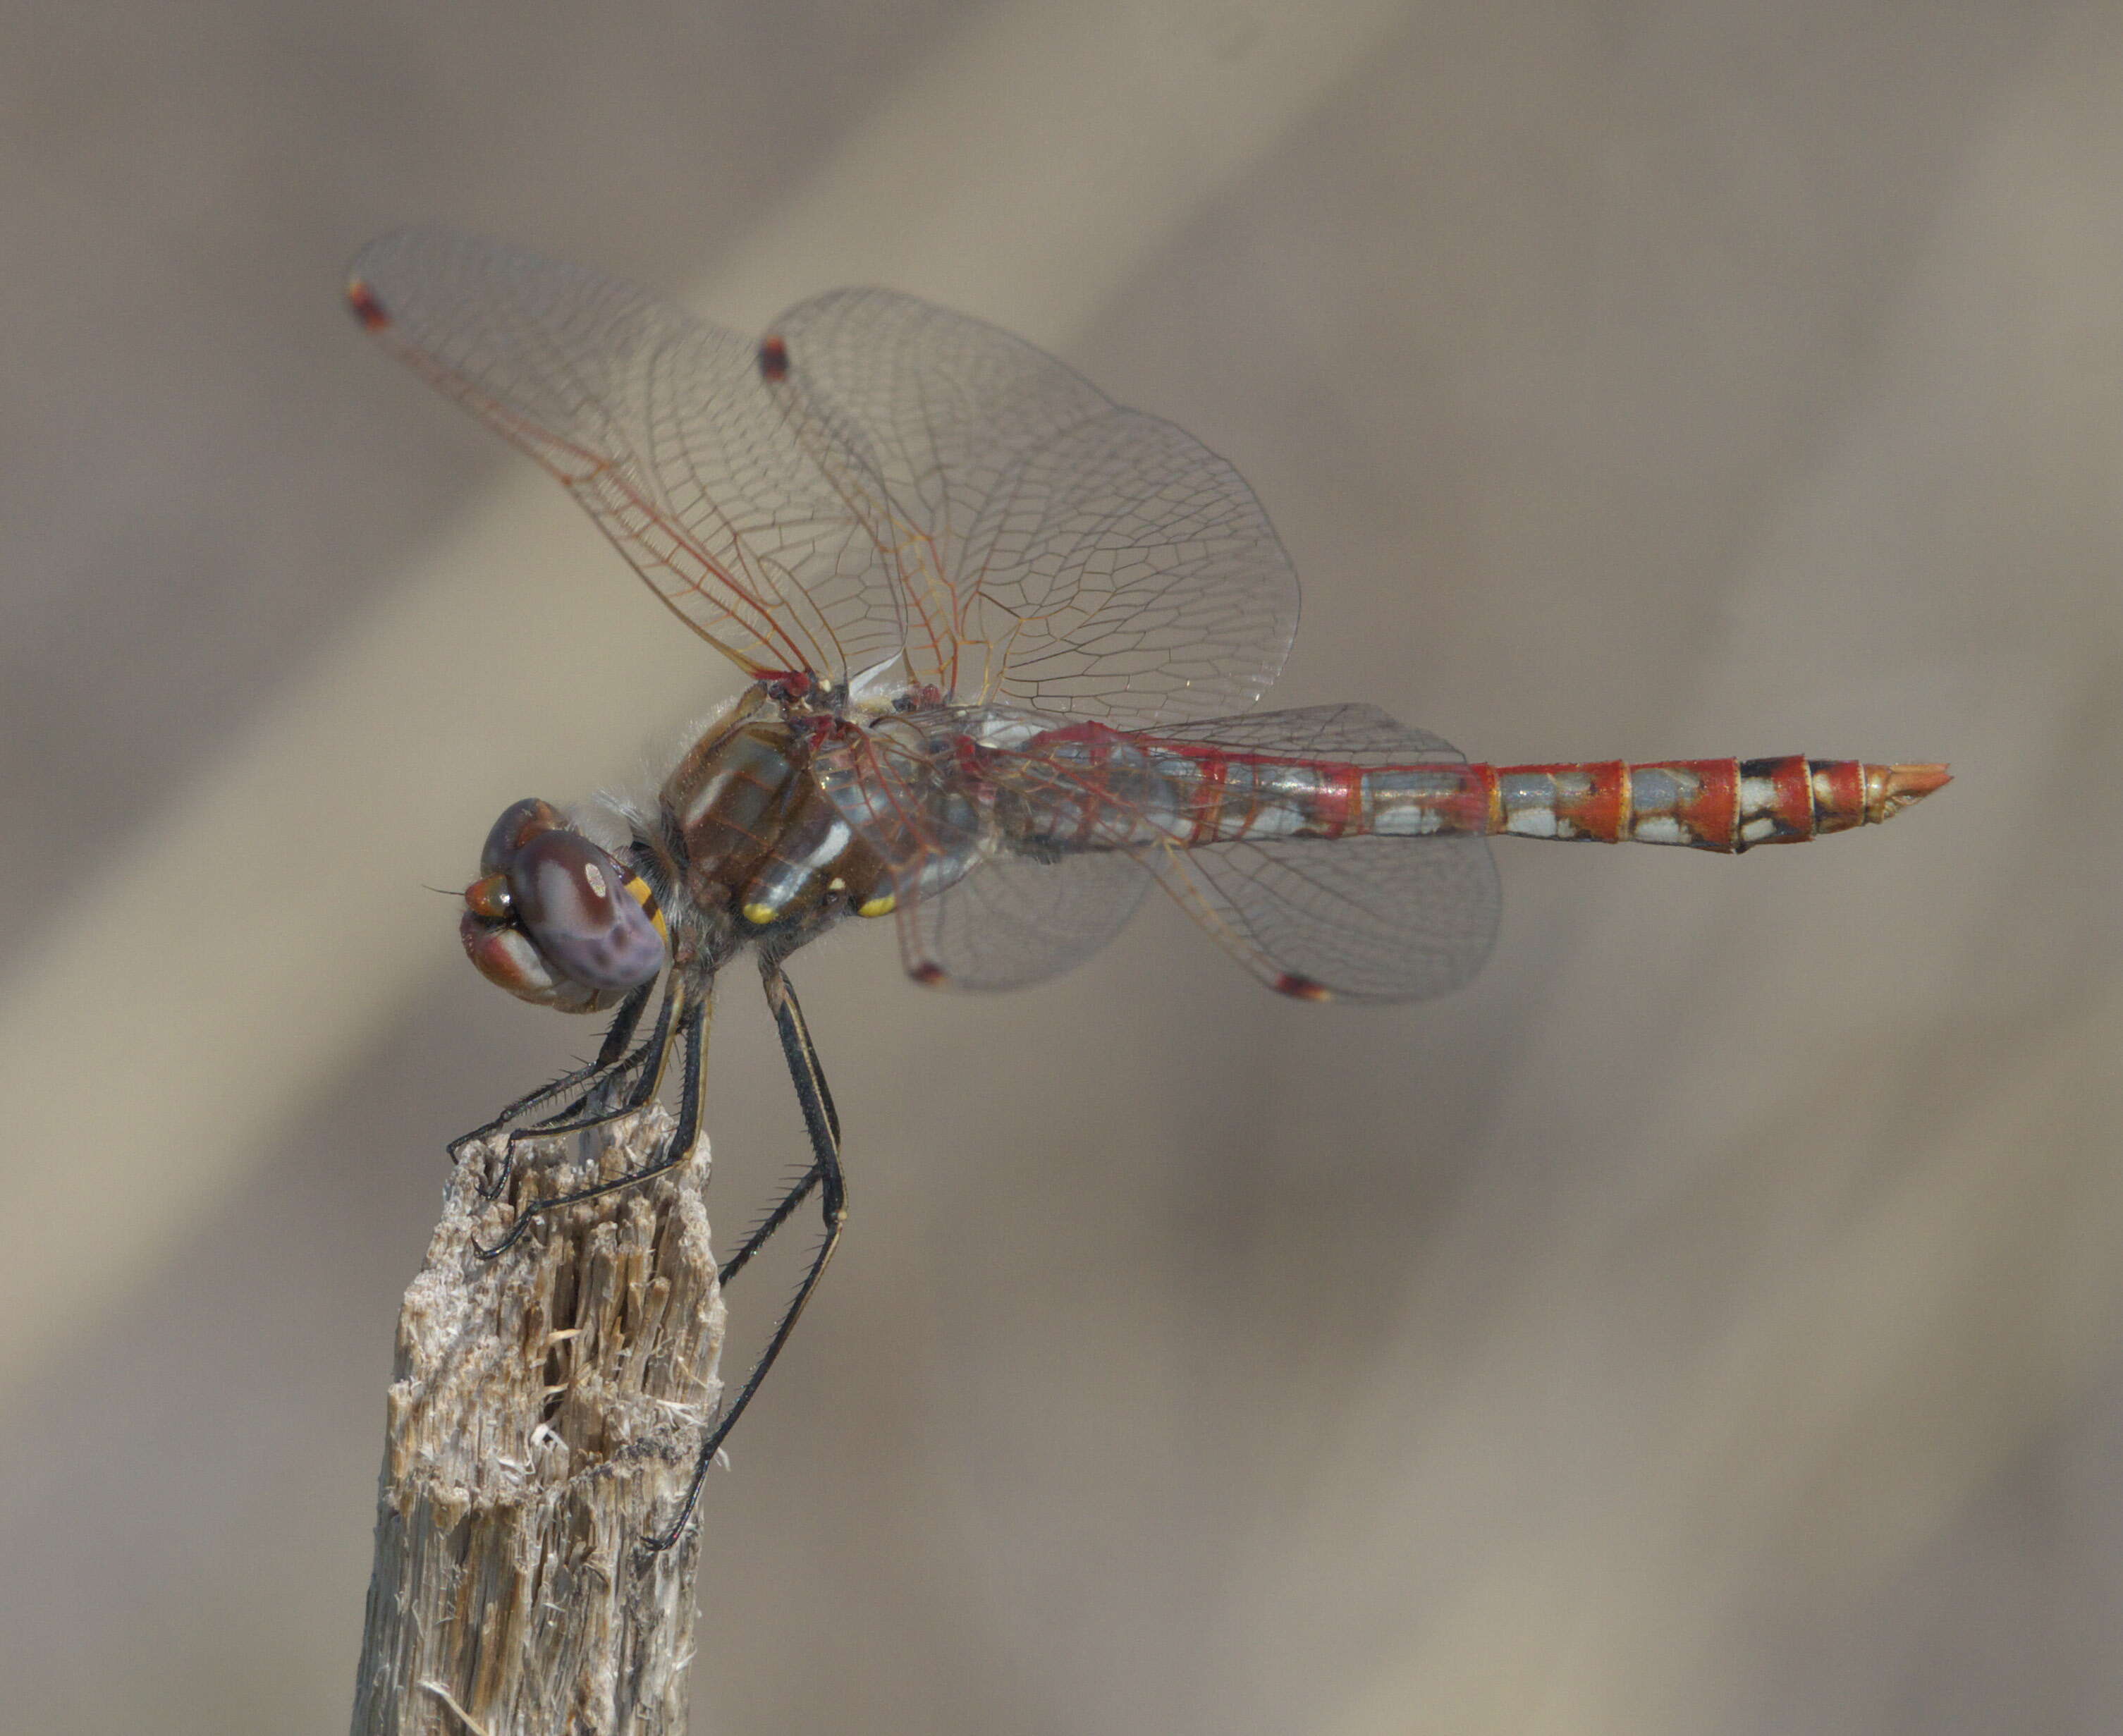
column 822, row 1123
column 592, row 1074
column 769, row 1224
column 811, row 1079
column 691, row 1022
column 641, row 1067
column 579, row 1118
column 622, row 1086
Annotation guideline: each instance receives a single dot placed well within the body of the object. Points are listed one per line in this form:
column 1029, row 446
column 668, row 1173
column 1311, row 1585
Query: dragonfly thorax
column 758, row 838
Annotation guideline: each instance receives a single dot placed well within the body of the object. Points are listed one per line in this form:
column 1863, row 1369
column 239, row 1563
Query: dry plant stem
column 543, row 1417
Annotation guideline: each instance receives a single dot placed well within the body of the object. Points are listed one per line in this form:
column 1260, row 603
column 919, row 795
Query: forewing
column 1048, row 548
column 1361, row 918
column 659, row 423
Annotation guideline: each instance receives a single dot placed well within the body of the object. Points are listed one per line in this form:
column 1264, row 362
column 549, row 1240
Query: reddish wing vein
column 658, row 422
column 882, row 479
column 1048, row 547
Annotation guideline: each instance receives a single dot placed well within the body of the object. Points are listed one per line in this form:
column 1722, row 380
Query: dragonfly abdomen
column 1727, row 805
column 1233, row 796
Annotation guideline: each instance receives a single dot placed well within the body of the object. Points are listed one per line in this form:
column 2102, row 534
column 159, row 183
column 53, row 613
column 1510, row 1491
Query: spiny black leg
column 577, row 1117
column 616, row 1039
column 630, row 1067
column 644, row 1063
column 769, row 1224
column 790, row 1024
column 823, row 1126
column 820, row 1119
column 692, row 1024
column 788, row 1017
column 779, row 989
column 675, row 1151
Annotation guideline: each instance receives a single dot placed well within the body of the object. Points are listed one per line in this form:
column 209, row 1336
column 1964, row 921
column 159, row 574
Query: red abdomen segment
column 1723, row 804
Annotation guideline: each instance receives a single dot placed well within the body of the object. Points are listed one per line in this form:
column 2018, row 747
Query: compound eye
column 520, row 822
column 574, row 901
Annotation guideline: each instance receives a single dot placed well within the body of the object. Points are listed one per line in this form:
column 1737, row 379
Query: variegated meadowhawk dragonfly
column 1000, row 634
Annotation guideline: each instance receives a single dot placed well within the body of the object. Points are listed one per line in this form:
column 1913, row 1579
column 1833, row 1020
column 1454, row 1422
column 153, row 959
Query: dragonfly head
column 555, row 919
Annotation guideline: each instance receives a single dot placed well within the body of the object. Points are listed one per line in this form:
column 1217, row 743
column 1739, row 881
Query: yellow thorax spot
column 881, row 905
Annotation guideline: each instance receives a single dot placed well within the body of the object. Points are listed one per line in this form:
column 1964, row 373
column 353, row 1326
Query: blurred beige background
column 1704, row 1323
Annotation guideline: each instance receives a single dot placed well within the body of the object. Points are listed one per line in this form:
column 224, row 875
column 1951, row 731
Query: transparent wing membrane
column 657, row 422
column 1355, row 919
column 1359, row 918
column 1053, row 549
column 1020, row 920
column 1356, row 734
column 880, row 480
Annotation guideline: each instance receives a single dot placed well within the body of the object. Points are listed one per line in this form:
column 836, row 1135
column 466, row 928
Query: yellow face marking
column 882, row 905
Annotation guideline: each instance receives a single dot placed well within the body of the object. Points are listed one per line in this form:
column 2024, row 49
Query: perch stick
column 543, row 1415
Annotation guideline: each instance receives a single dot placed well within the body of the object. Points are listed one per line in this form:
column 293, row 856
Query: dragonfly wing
column 1357, row 919
column 660, row 423
column 1362, row 918
column 1360, row 734
column 1049, row 548
column 1014, row 920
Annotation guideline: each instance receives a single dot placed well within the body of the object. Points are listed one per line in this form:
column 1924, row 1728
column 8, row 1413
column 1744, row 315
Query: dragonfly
column 1001, row 637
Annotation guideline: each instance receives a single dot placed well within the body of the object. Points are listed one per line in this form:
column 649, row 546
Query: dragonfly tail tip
column 1890, row 789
